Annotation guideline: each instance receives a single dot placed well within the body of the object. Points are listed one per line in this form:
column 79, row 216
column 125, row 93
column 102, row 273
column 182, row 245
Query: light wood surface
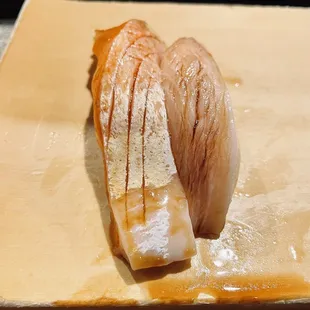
column 53, row 215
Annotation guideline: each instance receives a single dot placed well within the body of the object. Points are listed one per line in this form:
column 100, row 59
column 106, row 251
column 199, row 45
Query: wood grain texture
column 54, row 222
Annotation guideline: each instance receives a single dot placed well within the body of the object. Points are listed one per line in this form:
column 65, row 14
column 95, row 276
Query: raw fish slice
column 150, row 219
column 203, row 134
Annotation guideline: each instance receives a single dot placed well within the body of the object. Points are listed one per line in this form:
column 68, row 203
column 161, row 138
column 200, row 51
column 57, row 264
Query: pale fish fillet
column 151, row 225
column 203, row 133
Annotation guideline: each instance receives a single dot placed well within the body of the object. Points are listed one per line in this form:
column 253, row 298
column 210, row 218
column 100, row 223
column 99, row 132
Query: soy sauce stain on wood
column 101, row 301
column 101, row 257
column 233, row 80
column 268, row 176
column 230, row 289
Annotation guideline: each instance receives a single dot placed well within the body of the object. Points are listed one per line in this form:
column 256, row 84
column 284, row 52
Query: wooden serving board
column 54, row 246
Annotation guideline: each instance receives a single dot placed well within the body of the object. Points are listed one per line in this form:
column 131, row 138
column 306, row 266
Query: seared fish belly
column 203, row 134
column 151, row 225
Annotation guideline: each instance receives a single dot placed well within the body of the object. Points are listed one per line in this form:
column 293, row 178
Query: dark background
column 9, row 8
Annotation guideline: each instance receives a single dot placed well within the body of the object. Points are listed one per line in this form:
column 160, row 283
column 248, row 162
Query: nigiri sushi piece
column 203, row 133
column 150, row 222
